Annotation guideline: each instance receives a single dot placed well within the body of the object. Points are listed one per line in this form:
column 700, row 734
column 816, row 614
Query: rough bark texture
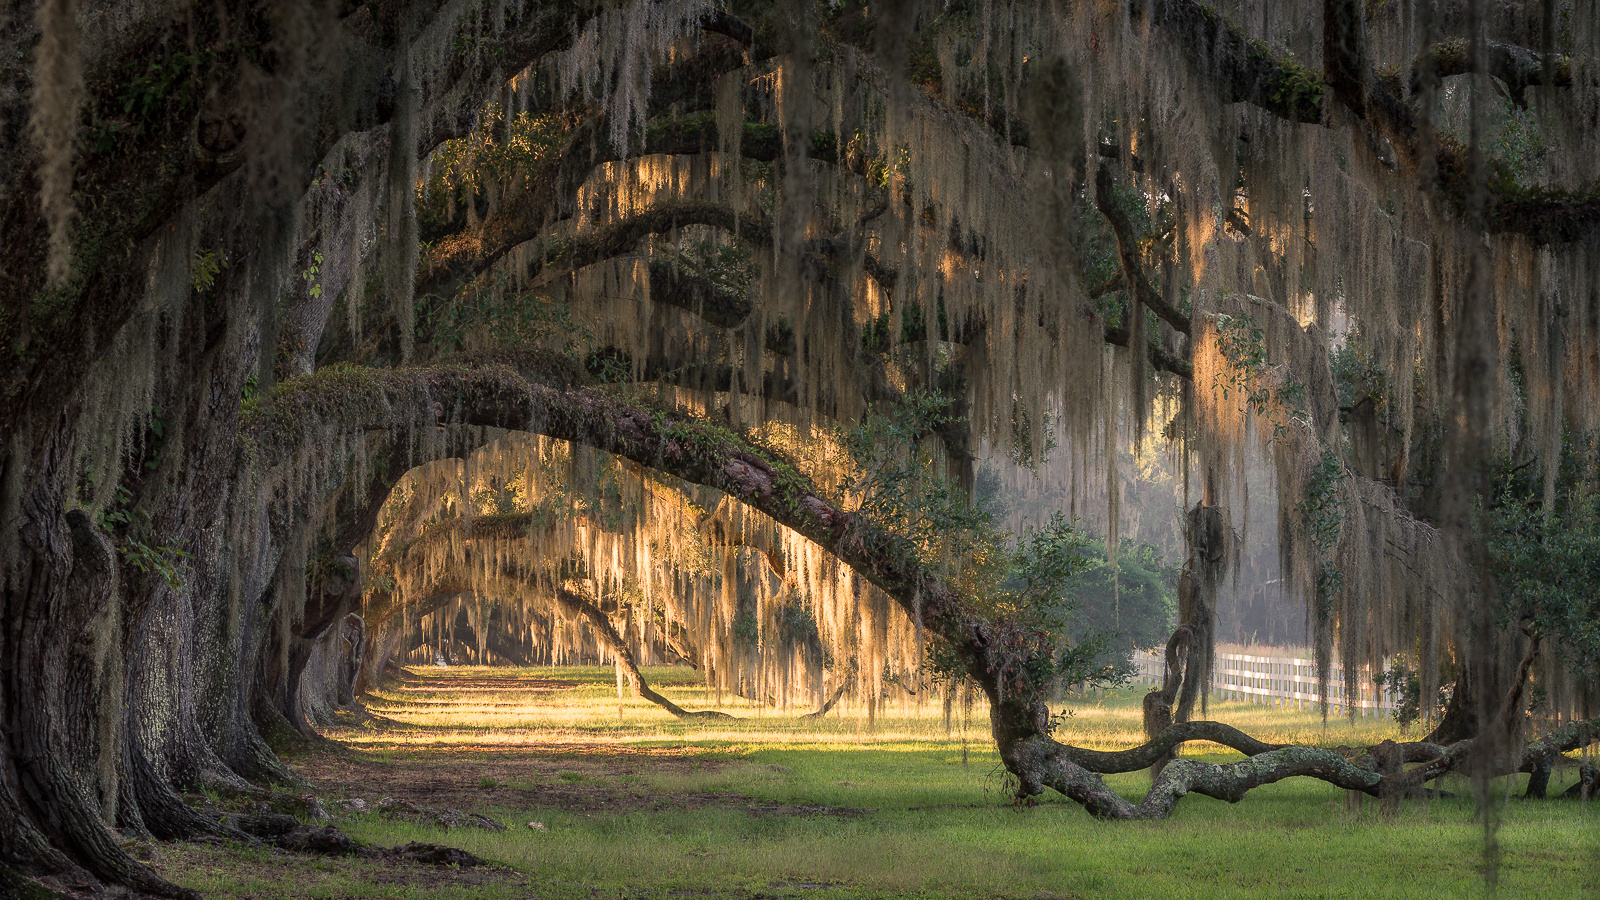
column 123, row 683
column 165, row 641
column 715, row 457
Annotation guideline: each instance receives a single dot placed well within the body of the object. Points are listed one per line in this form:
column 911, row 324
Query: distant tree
column 1546, row 556
column 1132, row 599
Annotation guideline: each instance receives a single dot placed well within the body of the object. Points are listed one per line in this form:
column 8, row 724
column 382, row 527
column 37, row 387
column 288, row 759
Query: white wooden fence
column 1284, row 681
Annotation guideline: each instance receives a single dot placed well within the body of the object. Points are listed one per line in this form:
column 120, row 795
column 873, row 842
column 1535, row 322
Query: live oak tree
column 263, row 260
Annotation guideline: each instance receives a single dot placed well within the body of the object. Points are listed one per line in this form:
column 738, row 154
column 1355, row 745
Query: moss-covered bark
column 998, row 656
column 163, row 506
column 135, row 626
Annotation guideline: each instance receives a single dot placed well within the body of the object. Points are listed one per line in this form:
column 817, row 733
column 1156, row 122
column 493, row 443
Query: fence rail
column 1284, row 681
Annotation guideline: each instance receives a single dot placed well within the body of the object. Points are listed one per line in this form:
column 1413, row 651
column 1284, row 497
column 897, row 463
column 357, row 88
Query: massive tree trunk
column 68, row 780
column 133, row 667
column 158, row 610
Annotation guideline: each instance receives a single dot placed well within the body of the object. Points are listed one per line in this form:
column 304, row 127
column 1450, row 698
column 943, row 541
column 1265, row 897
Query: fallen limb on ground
column 405, row 810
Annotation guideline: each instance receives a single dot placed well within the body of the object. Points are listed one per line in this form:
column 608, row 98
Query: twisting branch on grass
column 704, row 453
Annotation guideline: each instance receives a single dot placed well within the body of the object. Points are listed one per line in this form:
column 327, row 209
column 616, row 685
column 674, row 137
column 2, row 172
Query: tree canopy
column 698, row 317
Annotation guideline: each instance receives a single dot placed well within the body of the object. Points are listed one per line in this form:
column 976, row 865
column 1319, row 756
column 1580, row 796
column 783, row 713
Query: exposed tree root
column 705, row 454
column 1106, row 762
column 1051, row 763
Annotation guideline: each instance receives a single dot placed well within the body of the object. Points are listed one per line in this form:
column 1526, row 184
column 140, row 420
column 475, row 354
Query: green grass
column 1287, row 843
column 672, row 809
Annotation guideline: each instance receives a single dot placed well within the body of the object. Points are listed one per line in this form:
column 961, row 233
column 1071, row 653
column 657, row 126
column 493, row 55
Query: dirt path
column 505, row 772
column 472, row 777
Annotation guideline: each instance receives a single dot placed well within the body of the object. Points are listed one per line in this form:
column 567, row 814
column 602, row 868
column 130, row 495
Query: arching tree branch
column 601, row 623
column 709, row 455
column 1517, row 67
column 1147, row 754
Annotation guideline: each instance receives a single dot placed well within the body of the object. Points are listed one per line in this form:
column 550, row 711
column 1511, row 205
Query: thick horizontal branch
column 1567, row 738
column 620, row 237
column 1128, row 252
column 1224, row 781
column 1103, row 762
column 1242, row 70
column 1518, row 68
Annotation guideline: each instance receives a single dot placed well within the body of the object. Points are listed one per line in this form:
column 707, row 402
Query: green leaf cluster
column 1547, row 563
column 1023, row 586
column 162, row 560
column 896, row 483
column 497, row 152
column 512, row 316
column 1406, row 685
column 205, row 267
column 1134, row 600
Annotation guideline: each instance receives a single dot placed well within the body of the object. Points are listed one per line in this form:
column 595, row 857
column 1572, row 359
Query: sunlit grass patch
column 1114, row 720
column 482, row 706
column 642, row 805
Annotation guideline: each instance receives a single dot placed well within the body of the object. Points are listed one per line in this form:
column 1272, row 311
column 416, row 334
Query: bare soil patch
column 476, row 777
